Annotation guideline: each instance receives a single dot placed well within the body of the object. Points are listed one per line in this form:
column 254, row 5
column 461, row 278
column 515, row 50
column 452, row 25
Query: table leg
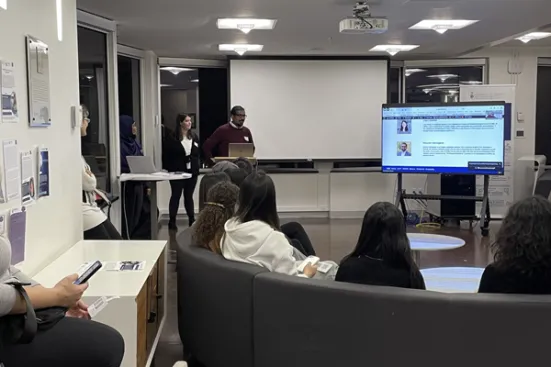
column 153, row 214
column 417, row 257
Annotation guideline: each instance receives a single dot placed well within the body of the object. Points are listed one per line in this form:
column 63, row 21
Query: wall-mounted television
column 447, row 138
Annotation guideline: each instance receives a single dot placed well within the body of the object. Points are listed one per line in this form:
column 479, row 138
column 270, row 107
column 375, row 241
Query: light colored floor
column 332, row 240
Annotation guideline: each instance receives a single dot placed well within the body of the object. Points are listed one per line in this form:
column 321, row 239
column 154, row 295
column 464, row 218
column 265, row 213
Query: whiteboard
column 312, row 109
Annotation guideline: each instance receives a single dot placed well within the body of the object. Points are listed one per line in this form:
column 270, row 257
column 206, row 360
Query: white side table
column 432, row 242
column 139, row 311
column 453, row 280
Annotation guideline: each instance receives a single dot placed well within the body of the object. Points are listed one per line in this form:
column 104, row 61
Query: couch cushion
column 299, row 322
column 215, row 306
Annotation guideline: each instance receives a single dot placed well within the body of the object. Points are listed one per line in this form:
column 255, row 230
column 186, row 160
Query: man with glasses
column 233, row 132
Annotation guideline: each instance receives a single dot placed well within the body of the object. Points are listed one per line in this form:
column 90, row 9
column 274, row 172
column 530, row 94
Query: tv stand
column 401, row 197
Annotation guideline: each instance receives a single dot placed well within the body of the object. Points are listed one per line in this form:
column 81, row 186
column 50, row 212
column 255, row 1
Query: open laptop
column 236, row 150
column 141, row 164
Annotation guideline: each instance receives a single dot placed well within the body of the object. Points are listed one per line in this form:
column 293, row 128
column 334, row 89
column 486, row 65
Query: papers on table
column 114, row 266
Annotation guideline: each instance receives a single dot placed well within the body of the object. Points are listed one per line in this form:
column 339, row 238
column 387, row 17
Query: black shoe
column 191, row 221
column 172, row 226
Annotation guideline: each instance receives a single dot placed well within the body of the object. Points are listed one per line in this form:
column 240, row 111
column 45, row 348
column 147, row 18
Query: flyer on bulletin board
column 27, row 178
column 10, row 111
column 43, row 172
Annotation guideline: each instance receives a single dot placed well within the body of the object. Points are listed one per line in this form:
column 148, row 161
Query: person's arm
column 251, row 140
column 284, row 262
column 89, row 181
column 212, row 142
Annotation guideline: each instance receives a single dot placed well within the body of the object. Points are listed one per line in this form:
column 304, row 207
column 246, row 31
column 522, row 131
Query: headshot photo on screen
column 404, row 149
column 404, row 127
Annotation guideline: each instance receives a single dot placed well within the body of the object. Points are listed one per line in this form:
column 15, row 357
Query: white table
column 154, row 178
column 122, row 313
column 452, row 280
column 432, row 242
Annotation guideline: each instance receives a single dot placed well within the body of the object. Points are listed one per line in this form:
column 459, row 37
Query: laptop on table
column 245, row 150
column 141, row 164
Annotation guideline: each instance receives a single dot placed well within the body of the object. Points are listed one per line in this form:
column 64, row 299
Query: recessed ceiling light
column 194, row 80
column 175, row 70
column 393, row 49
column 443, row 25
column 246, row 25
column 166, row 85
column 443, row 77
column 240, row 48
column 413, row 71
column 4, row 4
column 533, row 36
column 471, row 82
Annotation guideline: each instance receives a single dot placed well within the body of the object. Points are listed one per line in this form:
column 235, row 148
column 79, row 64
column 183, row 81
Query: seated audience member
column 223, row 166
column 244, row 164
column 254, row 235
column 382, row 255
column 237, row 176
column 95, row 223
column 136, row 222
column 208, row 181
column 74, row 340
column 522, row 251
column 219, row 208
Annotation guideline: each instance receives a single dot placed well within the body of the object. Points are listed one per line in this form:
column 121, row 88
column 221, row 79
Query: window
column 179, row 95
column 92, row 54
column 439, row 84
column 129, row 89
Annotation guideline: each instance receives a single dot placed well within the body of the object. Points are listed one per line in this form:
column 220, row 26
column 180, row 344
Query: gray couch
column 233, row 314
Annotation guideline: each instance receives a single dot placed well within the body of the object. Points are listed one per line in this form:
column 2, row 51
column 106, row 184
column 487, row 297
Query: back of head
column 237, row 176
column 383, row 236
column 257, row 200
column 244, row 164
column 223, row 166
column 208, row 181
column 219, row 207
column 523, row 242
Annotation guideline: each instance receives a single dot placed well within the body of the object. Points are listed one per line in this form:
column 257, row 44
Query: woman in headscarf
column 136, row 219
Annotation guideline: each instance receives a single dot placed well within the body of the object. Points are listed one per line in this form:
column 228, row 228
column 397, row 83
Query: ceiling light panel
column 442, row 25
column 393, row 49
column 533, row 36
column 246, row 25
column 240, row 48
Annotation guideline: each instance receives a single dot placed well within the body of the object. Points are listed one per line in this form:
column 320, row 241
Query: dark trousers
column 298, row 238
column 70, row 343
column 105, row 231
column 177, row 187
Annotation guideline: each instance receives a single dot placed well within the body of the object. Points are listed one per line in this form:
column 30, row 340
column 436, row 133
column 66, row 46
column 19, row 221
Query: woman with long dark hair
column 254, row 234
column 181, row 154
column 522, row 251
column 382, row 255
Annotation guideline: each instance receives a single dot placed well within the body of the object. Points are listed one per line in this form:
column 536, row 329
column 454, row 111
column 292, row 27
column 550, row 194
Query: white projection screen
column 312, row 109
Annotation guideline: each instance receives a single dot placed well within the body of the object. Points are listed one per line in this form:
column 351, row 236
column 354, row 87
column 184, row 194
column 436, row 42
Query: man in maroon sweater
column 232, row 132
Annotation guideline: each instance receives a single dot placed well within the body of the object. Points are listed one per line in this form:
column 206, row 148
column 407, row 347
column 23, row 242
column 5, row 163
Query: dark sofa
column 232, row 314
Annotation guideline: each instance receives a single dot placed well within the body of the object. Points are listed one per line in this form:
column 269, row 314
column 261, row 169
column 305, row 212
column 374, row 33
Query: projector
column 363, row 25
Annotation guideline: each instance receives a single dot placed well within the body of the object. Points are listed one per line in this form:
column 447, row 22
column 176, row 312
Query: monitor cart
column 402, row 196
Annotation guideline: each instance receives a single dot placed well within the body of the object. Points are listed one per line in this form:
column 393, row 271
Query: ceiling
column 173, row 28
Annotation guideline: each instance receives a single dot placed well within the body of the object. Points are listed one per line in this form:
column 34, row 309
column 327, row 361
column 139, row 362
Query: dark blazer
column 175, row 158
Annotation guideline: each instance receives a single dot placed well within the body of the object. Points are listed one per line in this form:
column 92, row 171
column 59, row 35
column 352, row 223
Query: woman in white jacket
column 95, row 223
column 253, row 236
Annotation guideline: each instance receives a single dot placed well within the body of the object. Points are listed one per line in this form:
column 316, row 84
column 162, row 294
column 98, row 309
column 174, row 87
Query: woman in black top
column 522, row 251
column 181, row 154
column 383, row 255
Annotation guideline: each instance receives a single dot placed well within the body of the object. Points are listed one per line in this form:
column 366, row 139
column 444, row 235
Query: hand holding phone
column 88, row 273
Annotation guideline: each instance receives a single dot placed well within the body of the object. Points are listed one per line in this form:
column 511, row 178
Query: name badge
column 246, row 138
column 196, row 144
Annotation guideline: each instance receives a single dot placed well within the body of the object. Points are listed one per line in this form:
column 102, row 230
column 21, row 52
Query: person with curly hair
column 219, row 207
column 522, row 251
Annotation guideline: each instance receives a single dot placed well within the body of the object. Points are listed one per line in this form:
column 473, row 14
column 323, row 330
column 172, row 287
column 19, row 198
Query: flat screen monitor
column 447, row 138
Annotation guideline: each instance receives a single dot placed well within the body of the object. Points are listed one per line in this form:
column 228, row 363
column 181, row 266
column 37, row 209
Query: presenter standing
column 181, row 154
column 233, row 132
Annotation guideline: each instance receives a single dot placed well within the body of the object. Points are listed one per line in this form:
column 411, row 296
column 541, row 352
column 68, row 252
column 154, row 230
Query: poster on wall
column 12, row 176
column 10, row 111
column 17, row 230
column 27, row 178
column 43, row 172
column 501, row 187
column 38, row 79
